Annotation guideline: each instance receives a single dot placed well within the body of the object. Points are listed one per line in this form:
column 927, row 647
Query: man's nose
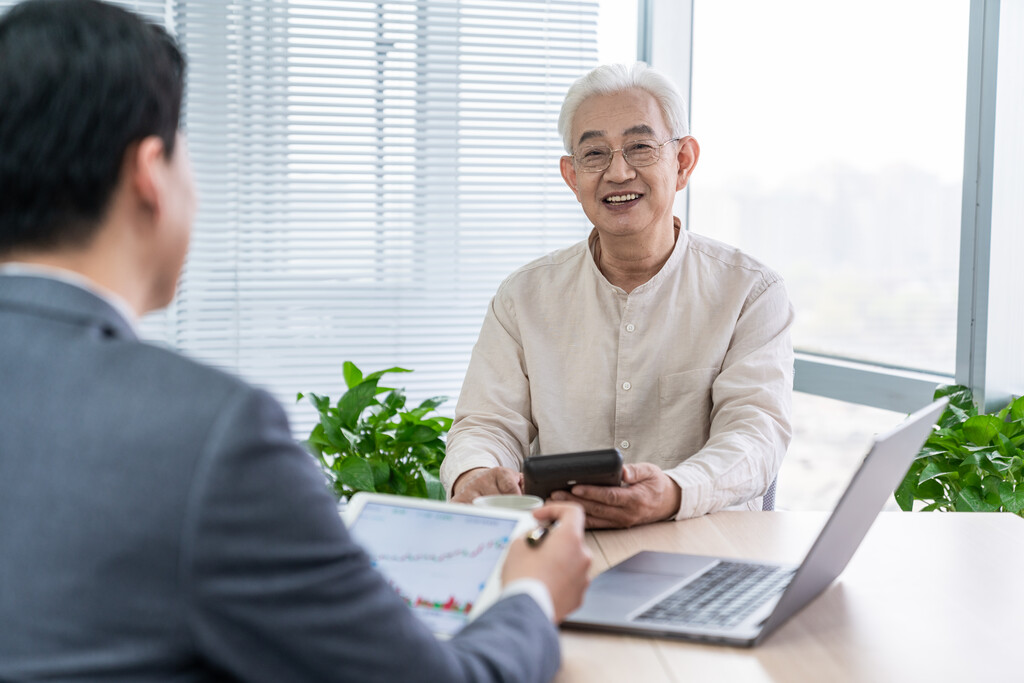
column 619, row 169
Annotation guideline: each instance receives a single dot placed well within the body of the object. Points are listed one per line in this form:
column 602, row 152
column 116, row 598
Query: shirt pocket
column 684, row 414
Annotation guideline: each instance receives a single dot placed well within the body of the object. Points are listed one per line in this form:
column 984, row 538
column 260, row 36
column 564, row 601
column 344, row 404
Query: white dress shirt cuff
column 536, row 589
column 696, row 490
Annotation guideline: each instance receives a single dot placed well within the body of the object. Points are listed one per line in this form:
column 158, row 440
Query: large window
column 832, row 139
column 368, row 173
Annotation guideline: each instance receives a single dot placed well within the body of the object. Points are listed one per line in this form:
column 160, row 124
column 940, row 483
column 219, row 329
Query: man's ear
column 145, row 168
column 689, row 152
column 569, row 174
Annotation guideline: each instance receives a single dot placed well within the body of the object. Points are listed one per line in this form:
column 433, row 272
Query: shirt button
column 627, row 386
column 624, row 444
column 630, row 327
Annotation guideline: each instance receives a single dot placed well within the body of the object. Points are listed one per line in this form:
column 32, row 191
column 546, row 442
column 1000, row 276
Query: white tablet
column 444, row 559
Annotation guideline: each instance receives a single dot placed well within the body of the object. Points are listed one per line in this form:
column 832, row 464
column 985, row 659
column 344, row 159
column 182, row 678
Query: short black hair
column 80, row 81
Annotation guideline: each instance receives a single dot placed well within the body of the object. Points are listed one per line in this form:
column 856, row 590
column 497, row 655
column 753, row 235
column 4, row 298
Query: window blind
column 368, row 173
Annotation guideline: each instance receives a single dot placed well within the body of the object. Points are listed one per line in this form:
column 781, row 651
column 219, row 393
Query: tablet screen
column 437, row 561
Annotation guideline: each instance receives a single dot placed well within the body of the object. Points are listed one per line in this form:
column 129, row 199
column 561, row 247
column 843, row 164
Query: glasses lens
column 594, row 158
column 641, row 152
column 636, row 153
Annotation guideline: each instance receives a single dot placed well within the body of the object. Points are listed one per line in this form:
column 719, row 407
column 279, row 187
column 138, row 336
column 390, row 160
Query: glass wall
column 832, row 142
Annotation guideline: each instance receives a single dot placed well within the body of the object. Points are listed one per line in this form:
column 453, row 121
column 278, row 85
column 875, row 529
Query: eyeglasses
column 636, row 153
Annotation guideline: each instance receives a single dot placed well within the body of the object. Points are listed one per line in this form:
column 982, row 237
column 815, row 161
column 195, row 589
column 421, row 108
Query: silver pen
column 536, row 535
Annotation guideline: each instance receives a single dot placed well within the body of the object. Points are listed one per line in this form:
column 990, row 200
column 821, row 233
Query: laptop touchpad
column 671, row 564
column 640, row 578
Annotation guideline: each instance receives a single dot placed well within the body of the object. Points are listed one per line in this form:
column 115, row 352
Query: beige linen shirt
column 691, row 371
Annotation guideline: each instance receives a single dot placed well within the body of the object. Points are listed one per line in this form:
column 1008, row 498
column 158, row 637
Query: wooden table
column 927, row 597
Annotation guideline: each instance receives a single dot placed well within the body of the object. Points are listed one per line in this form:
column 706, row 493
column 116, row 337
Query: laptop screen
column 438, row 561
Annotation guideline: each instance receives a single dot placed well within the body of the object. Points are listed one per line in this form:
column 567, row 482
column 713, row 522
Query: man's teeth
column 622, row 198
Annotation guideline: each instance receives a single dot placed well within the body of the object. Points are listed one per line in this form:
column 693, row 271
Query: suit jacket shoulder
column 160, row 522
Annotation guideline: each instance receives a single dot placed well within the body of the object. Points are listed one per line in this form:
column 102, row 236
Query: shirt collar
column 674, row 259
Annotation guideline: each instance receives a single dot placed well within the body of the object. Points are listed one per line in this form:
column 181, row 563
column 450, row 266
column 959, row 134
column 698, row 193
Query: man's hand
column 560, row 562
column 650, row 496
column 486, row 481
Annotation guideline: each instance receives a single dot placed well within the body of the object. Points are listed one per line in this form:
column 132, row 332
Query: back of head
column 80, row 81
column 612, row 78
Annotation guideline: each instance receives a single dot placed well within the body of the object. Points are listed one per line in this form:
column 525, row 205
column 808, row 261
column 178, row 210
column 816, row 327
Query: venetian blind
column 368, row 173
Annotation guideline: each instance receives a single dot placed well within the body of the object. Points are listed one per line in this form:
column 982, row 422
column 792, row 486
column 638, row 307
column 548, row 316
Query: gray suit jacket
column 158, row 523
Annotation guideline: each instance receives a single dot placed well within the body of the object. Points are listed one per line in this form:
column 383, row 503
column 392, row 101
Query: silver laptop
column 739, row 602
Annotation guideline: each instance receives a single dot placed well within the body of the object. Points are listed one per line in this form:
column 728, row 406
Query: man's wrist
column 455, row 485
column 461, row 479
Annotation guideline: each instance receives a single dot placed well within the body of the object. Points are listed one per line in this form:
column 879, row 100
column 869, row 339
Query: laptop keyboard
column 720, row 597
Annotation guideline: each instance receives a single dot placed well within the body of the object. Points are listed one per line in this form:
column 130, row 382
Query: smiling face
column 622, row 200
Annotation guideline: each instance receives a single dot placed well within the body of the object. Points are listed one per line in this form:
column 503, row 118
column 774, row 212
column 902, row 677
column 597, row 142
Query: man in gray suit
column 157, row 521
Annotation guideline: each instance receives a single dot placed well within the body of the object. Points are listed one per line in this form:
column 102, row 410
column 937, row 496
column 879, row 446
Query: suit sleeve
column 750, row 416
column 278, row 591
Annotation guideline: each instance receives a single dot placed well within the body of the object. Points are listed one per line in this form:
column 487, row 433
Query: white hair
column 614, row 78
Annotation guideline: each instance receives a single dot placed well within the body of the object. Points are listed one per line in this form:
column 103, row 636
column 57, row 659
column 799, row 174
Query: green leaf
column 932, row 471
column 399, row 482
column 1017, row 409
column 990, row 461
column 381, row 471
column 982, row 429
column 969, row 476
column 1005, row 446
column 433, row 484
column 391, row 404
column 930, row 490
column 1015, row 470
column 321, row 403
column 352, row 374
column 318, row 439
column 960, row 398
column 970, row 499
column 424, row 408
column 416, row 433
column 334, row 434
column 355, row 401
column 432, row 403
column 904, row 493
column 355, row 473
column 1012, row 498
column 990, row 490
column 381, row 373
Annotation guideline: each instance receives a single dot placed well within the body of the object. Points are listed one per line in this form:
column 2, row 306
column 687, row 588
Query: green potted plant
column 369, row 442
column 971, row 462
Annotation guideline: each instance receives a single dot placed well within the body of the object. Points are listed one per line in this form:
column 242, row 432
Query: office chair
column 768, row 502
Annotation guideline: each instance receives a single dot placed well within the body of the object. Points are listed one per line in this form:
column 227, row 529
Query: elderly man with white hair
column 672, row 347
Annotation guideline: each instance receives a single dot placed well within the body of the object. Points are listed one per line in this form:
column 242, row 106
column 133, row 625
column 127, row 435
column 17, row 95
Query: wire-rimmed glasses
column 636, row 153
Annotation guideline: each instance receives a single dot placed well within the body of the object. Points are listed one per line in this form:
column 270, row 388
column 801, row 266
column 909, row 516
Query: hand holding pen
column 555, row 553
